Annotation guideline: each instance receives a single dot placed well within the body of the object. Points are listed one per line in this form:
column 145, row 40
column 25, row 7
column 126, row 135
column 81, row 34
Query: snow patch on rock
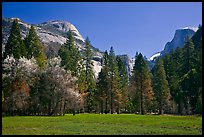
column 191, row 28
column 154, row 56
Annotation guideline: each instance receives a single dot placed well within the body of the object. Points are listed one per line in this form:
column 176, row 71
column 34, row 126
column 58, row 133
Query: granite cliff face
column 179, row 39
column 54, row 33
column 50, row 33
column 177, row 42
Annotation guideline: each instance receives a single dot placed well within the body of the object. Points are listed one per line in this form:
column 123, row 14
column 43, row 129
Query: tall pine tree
column 106, row 85
column 35, row 48
column 123, row 84
column 171, row 63
column 160, row 85
column 114, row 81
column 70, row 55
column 102, row 90
column 187, row 66
column 141, row 82
column 15, row 45
column 190, row 80
column 90, row 83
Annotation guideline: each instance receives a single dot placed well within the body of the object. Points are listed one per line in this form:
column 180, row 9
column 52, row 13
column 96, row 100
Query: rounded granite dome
column 60, row 25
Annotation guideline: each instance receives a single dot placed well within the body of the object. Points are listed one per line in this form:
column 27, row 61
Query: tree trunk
column 161, row 108
column 141, row 94
column 73, row 111
column 106, row 109
column 64, row 107
column 118, row 108
column 111, row 102
column 101, row 106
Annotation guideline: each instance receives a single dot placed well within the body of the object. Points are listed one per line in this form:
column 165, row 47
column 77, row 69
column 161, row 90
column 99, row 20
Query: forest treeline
column 34, row 84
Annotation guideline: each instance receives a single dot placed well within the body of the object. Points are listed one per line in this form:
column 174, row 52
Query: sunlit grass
column 99, row 124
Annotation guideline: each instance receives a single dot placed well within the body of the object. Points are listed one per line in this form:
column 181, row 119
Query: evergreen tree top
column 15, row 45
column 87, row 40
column 69, row 44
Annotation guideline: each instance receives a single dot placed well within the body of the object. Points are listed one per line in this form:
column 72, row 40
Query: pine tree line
column 172, row 86
column 183, row 68
column 30, row 47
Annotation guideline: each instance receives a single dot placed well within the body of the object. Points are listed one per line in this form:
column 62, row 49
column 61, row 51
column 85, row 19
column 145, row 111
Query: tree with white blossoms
column 55, row 92
column 29, row 90
column 18, row 76
column 65, row 83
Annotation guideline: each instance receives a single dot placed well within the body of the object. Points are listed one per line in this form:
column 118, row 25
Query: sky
column 129, row 27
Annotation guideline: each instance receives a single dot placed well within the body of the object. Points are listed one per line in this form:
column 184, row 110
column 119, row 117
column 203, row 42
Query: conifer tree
column 197, row 100
column 89, row 76
column 187, row 56
column 15, row 45
column 175, row 76
column 189, row 80
column 160, row 85
column 102, row 89
column 105, row 68
column 35, row 48
column 170, row 67
column 113, row 80
column 142, row 84
column 183, row 67
column 134, row 96
column 71, row 60
column 70, row 55
column 123, row 83
column 196, row 96
column 187, row 64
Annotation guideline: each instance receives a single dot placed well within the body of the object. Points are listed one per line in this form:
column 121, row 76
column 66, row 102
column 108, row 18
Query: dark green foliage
column 35, row 48
column 187, row 56
column 110, row 86
column 123, row 83
column 160, row 85
column 177, row 79
column 90, row 84
column 105, row 70
column 88, row 64
column 114, row 81
column 70, row 55
column 102, row 90
column 40, row 96
column 141, row 87
column 171, row 63
column 15, row 45
column 184, row 73
column 122, row 73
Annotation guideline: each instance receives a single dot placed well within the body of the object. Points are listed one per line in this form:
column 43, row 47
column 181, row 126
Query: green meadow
column 102, row 124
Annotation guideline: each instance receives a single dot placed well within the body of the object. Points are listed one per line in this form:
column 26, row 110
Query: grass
column 101, row 124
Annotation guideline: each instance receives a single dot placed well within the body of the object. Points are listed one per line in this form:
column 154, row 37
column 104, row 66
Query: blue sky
column 129, row 27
